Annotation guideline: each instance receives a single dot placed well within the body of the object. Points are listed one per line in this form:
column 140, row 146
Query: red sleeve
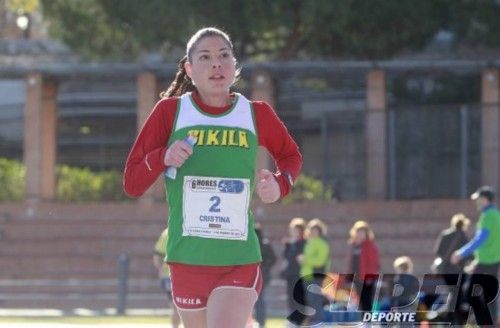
column 376, row 259
column 145, row 160
column 274, row 136
column 369, row 258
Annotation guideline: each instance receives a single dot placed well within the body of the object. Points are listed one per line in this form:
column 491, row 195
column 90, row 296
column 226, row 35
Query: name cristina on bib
column 209, row 218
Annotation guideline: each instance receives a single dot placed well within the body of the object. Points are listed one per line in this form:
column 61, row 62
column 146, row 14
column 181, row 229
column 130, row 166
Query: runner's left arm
column 274, row 136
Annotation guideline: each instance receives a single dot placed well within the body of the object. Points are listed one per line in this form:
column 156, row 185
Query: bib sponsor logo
column 204, row 184
column 231, row 186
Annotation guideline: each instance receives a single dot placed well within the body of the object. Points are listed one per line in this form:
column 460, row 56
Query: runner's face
column 212, row 67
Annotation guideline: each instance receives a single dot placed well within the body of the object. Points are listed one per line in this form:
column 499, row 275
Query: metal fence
column 96, row 122
column 433, row 133
column 325, row 113
column 433, row 151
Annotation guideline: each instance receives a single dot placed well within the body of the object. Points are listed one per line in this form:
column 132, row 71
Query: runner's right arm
column 145, row 161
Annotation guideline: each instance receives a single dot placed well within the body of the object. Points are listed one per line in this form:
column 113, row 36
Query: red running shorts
column 193, row 284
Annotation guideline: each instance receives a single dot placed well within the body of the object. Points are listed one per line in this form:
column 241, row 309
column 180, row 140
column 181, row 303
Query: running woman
column 212, row 250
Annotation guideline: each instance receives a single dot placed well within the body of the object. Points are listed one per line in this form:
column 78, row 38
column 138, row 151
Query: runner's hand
column 177, row 153
column 267, row 187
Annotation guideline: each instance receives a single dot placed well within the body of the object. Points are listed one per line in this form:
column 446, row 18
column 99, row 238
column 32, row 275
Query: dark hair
column 182, row 82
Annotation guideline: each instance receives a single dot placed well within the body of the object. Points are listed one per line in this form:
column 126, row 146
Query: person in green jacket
column 315, row 262
column 485, row 246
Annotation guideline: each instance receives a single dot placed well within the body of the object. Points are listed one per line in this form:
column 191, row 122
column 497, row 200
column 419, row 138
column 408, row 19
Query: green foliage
column 307, row 189
column 374, row 29
column 284, row 29
column 475, row 22
column 73, row 184
column 22, row 6
column 111, row 186
column 85, row 27
column 77, row 184
column 12, row 175
column 81, row 184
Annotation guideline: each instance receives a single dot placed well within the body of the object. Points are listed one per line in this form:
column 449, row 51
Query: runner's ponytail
column 181, row 84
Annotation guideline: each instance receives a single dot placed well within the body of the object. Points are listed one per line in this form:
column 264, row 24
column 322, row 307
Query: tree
column 285, row 29
column 86, row 28
column 475, row 22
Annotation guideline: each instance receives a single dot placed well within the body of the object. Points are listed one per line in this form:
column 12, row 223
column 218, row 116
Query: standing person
column 294, row 246
column 449, row 240
column 314, row 264
column 364, row 262
column 268, row 260
column 485, row 245
column 403, row 267
column 164, row 273
column 213, row 251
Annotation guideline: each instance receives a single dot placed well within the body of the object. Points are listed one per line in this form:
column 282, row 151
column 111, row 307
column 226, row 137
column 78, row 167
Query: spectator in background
column 294, row 246
column 364, row 262
column 268, row 260
column 159, row 253
column 485, row 245
column 403, row 268
column 450, row 240
column 314, row 263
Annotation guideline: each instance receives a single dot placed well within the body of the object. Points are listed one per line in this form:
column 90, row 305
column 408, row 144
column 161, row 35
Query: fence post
column 40, row 124
column 123, row 266
column 376, row 135
column 490, row 132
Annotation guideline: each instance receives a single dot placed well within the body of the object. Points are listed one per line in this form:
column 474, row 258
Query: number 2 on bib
column 215, row 204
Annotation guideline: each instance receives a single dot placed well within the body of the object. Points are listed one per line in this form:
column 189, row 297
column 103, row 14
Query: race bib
column 215, row 207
